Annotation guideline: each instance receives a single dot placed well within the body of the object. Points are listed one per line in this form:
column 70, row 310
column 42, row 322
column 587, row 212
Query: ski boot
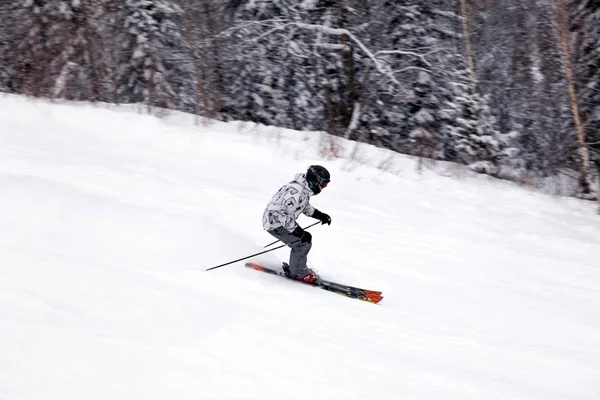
column 309, row 276
column 286, row 270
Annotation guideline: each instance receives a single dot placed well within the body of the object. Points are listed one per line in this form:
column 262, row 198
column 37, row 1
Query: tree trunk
column 585, row 166
column 467, row 37
column 194, row 52
column 348, row 58
column 60, row 84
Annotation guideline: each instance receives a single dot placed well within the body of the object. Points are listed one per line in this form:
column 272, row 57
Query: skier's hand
column 321, row 216
column 326, row 219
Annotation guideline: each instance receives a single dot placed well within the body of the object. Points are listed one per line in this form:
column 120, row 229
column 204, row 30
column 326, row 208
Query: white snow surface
column 110, row 217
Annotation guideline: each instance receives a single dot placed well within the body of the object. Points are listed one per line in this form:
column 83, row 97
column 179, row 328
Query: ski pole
column 271, row 244
column 257, row 254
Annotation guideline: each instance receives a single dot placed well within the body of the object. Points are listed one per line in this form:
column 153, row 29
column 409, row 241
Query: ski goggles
column 323, row 183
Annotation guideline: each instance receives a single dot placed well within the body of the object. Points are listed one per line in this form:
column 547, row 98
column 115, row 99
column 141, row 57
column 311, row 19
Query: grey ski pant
column 299, row 250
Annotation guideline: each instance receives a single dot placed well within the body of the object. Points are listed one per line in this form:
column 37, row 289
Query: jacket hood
column 301, row 180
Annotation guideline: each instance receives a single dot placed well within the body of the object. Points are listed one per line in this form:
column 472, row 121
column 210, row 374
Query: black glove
column 321, row 216
column 305, row 237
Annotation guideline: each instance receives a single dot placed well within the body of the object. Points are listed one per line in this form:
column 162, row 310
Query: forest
column 510, row 88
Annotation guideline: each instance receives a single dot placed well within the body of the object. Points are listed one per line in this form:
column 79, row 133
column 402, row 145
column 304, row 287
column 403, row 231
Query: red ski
column 370, row 296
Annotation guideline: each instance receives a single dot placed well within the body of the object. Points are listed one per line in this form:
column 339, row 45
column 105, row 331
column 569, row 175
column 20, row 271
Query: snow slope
column 109, row 218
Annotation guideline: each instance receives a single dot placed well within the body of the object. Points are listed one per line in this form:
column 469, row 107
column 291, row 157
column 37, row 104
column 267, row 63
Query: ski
column 370, row 296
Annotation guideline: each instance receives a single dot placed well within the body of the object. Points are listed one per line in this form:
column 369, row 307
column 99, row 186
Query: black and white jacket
column 287, row 204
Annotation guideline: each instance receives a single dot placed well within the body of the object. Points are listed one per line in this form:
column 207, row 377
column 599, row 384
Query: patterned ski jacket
column 287, row 204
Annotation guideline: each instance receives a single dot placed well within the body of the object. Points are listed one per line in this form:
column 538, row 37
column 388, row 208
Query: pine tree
column 425, row 37
column 255, row 91
column 147, row 72
column 29, row 39
column 520, row 67
column 70, row 40
column 276, row 78
column 204, row 23
column 52, row 46
column 471, row 133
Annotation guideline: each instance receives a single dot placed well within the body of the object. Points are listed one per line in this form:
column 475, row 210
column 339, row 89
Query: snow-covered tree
column 423, row 38
column 276, row 75
column 150, row 42
column 71, row 39
column 29, row 39
column 471, row 135
column 388, row 72
column 54, row 48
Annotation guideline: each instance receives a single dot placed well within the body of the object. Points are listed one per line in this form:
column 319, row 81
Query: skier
column 279, row 219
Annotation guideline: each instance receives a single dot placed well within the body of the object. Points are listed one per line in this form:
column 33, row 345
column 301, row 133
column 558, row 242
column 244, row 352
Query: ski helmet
column 317, row 177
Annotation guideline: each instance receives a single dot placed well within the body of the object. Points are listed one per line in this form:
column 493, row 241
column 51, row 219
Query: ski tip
column 255, row 266
column 373, row 297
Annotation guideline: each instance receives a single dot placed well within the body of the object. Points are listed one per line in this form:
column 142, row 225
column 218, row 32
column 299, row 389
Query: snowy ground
column 109, row 218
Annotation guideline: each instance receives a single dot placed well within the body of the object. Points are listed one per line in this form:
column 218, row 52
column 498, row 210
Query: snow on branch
column 270, row 31
column 412, row 67
column 248, row 24
column 407, row 53
column 383, row 69
column 331, row 46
